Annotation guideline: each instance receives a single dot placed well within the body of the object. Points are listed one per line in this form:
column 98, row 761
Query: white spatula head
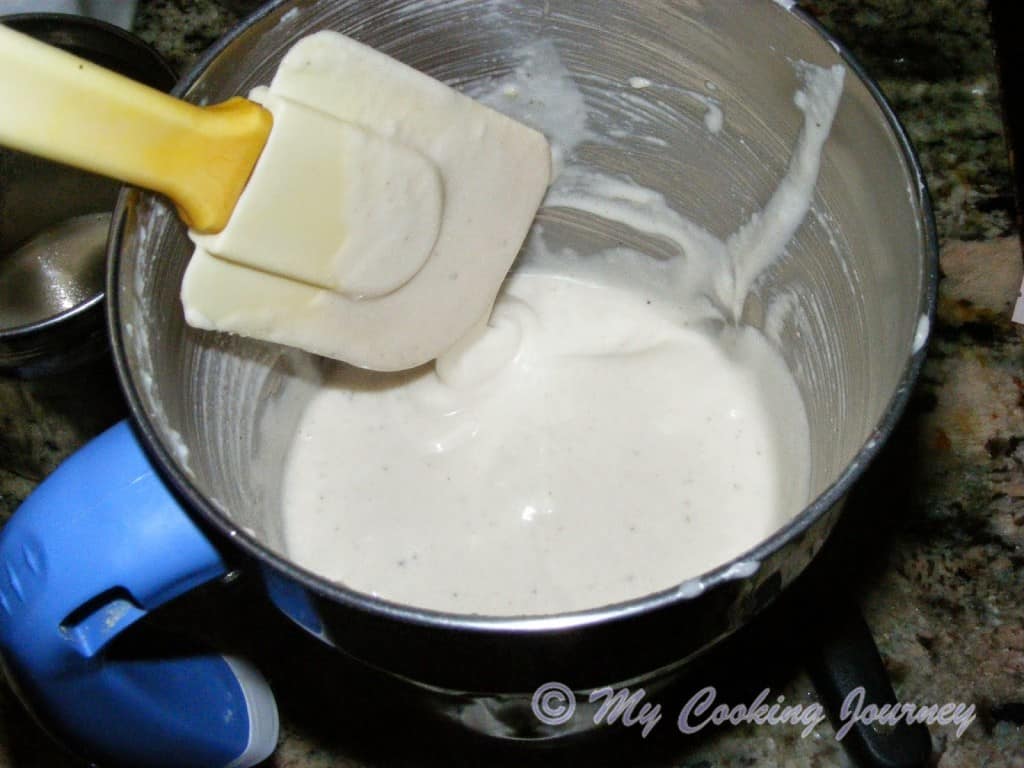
column 333, row 205
column 493, row 173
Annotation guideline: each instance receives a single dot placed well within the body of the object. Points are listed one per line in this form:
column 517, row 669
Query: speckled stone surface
column 933, row 547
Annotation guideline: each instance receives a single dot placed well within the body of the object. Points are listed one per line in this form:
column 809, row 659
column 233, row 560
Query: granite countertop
column 941, row 580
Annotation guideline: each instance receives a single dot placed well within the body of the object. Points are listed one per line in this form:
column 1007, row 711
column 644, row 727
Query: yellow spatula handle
column 64, row 108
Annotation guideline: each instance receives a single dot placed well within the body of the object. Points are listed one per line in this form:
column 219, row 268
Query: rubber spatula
column 72, row 111
column 361, row 210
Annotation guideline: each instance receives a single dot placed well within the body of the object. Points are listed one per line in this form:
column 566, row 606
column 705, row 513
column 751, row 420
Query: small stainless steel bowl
column 54, row 219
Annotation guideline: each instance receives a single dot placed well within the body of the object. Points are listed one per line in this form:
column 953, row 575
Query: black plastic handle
column 846, row 663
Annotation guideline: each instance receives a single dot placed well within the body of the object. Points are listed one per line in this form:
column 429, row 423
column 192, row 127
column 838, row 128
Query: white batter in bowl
column 612, row 430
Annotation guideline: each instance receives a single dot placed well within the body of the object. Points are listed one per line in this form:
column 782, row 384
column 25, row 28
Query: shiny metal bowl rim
column 194, row 500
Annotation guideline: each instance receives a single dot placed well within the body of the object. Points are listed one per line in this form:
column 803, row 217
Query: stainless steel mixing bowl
column 216, row 412
column 54, row 219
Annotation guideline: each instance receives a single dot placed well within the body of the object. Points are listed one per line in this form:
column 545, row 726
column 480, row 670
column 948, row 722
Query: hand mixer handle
column 97, row 546
column 70, row 110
